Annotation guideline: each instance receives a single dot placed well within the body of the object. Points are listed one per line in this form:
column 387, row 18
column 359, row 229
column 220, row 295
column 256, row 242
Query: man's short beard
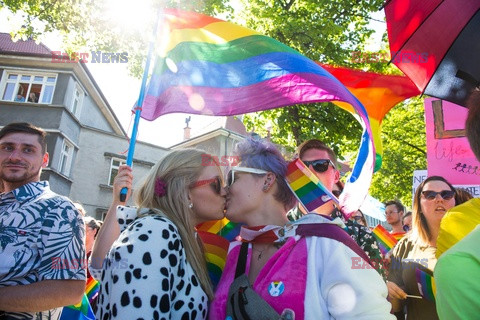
column 26, row 177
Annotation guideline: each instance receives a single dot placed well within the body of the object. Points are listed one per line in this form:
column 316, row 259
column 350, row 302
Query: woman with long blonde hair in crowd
column 156, row 267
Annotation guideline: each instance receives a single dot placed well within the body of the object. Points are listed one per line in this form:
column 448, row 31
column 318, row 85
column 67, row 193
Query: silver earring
column 265, row 187
column 190, row 205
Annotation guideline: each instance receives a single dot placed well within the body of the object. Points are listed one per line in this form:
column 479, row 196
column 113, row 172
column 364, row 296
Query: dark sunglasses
column 358, row 218
column 320, row 165
column 215, row 183
column 445, row 194
column 406, row 228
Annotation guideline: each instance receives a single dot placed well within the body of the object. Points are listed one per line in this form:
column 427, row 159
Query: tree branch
column 415, row 147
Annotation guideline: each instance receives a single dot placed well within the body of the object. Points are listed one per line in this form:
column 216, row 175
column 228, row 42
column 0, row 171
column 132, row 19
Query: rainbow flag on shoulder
column 385, row 240
column 307, row 188
column 426, row 285
column 216, row 236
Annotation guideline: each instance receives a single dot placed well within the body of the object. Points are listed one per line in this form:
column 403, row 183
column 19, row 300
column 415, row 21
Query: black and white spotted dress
column 146, row 274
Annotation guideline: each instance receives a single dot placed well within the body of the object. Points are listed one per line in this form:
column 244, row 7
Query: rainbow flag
column 92, row 288
column 306, row 186
column 223, row 227
column 213, row 67
column 398, row 235
column 426, row 285
column 379, row 93
column 79, row 311
column 385, row 240
column 216, row 249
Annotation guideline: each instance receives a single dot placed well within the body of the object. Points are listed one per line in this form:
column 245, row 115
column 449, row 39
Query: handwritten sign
column 448, row 151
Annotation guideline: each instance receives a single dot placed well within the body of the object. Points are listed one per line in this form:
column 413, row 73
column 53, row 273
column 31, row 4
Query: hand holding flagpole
column 138, row 108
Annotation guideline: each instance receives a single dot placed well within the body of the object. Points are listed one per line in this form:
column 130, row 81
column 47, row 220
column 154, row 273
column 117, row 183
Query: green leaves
column 404, row 144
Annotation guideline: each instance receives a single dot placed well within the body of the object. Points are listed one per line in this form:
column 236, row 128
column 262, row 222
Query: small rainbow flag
column 385, row 240
column 92, row 288
column 306, row 186
column 216, row 249
column 79, row 311
column 426, row 285
column 398, row 235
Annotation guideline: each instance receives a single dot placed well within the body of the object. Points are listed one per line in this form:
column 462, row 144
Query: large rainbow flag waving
column 213, row 67
column 379, row 93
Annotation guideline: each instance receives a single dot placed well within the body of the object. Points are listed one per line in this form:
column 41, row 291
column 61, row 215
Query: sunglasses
column 214, row 183
column 231, row 173
column 320, row 165
column 358, row 218
column 445, row 194
column 406, row 228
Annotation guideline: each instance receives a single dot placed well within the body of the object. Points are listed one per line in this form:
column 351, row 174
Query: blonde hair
column 420, row 228
column 179, row 169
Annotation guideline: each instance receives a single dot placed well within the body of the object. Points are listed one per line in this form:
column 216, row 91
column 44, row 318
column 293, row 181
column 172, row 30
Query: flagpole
column 138, row 109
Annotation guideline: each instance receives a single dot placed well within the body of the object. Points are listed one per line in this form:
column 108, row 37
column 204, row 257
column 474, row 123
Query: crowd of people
column 286, row 263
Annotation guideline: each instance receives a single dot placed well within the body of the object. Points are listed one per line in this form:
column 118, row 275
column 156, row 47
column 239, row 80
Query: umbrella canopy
column 436, row 43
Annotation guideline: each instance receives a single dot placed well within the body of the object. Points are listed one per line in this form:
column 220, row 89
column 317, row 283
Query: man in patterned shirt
column 42, row 251
column 321, row 160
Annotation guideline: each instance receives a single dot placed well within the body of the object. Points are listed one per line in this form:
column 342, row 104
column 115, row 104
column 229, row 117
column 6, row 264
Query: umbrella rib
column 476, row 82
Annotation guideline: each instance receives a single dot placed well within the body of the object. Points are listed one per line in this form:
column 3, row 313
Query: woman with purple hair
column 307, row 269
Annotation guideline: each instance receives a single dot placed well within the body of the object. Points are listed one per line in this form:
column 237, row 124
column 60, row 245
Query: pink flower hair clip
column 160, row 187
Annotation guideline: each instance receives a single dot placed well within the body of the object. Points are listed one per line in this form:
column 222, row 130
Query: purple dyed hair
column 259, row 154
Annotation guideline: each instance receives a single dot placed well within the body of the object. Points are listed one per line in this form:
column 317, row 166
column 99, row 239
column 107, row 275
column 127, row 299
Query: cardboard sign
column 448, row 152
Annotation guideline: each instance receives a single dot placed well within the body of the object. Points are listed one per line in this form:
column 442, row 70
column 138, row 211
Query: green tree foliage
column 85, row 25
column 404, row 144
column 42, row 16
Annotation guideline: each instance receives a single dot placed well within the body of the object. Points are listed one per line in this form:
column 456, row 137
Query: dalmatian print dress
column 146, row 274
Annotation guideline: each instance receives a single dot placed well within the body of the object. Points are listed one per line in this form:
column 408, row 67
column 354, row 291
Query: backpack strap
column 242, row 260
column 334, row 232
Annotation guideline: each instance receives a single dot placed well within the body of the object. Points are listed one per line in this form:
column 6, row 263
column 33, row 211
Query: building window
column 66, row 157
column 28, row 87
column 77, row 100
column 114, row 165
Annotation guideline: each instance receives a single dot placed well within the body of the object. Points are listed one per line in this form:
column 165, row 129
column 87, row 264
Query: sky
column 122, row 90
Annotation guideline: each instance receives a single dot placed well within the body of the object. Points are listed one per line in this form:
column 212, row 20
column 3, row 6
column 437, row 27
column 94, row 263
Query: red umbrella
column 436, row 43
